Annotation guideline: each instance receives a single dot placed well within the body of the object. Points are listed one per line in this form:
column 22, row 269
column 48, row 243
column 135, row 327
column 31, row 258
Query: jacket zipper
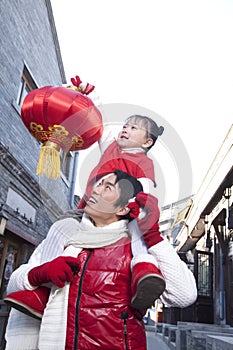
column 124, row 316
column 78, row 300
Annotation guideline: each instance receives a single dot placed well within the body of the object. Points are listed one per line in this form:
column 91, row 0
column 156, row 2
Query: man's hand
column 58, row 271
column 148, row 225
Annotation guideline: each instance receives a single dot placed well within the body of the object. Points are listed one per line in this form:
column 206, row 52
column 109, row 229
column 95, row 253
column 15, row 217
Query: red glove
column 57, row 271
column 149, row 225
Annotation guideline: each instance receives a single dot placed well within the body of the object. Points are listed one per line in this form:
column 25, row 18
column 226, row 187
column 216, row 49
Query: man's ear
column 148, row 143
column 123, row 211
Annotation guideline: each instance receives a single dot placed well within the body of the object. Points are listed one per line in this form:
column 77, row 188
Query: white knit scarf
column 90, row 236
column 53, row 325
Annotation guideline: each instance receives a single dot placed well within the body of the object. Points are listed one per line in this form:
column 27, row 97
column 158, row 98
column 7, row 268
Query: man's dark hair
column 129, row 188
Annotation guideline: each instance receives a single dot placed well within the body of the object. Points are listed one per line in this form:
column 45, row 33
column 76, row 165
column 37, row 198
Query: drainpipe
column 222, row 297
column 73, row 180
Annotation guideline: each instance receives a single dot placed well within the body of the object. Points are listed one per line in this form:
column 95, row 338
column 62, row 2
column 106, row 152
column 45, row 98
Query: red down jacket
column 99, row 312
column 135, row 164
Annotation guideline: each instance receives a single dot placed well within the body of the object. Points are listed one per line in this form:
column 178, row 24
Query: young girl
column 128, row 153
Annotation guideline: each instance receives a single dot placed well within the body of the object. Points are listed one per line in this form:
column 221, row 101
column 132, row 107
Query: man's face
column 132, row 136
column 101, row 204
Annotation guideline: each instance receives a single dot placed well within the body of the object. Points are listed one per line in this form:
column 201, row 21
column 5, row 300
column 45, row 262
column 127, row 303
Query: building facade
column 205, row 242
column 30, row 58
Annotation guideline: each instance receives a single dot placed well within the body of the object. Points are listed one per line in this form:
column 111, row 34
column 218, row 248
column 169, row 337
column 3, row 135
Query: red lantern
column 60, row 118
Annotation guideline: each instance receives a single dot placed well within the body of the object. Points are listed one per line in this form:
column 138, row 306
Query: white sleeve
column 181, row 290
column 19, row 280
column 51, row 247
column 106, row 139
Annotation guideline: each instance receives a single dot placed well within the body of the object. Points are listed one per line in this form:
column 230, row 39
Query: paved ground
column 155, row 343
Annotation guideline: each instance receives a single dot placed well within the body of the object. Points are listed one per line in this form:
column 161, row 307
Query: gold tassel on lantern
column 49, row 161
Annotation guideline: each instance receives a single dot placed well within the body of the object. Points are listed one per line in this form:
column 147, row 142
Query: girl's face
column 133, row 136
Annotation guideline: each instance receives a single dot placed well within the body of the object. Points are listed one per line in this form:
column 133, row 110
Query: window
column 205, row 273
column 66, row 164
column 26, row 85
column 8, row 262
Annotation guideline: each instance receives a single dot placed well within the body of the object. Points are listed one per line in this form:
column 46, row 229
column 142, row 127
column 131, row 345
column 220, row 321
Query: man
column 86, row 260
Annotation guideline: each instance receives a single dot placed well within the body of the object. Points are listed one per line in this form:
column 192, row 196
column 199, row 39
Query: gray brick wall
column 27, row 36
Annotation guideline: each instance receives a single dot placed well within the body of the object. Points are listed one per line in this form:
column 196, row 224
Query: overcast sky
column 169, row 59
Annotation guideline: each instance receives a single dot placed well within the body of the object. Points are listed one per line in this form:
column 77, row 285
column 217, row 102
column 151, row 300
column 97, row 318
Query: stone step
column 214, row 342
column 193, row 336
column 185, row 329
column 196, row 340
